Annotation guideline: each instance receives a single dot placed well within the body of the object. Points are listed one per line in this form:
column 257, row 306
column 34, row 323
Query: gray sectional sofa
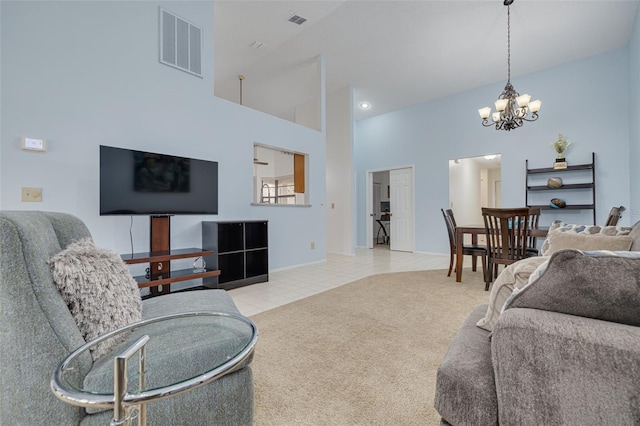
column 565, row 350
column 37, row 332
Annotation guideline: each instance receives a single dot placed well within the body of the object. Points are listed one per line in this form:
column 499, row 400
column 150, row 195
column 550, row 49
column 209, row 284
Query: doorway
column 474, row 183
column 390, row 209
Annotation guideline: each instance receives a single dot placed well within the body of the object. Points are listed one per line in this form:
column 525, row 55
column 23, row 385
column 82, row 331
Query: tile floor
column 289, row 285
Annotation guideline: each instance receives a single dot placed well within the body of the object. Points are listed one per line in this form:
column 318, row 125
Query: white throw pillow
column 513, row 276
column 559, row 227
column 98, row 289
column 586, row 242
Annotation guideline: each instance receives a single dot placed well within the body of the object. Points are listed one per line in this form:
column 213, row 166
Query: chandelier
column 512, row 108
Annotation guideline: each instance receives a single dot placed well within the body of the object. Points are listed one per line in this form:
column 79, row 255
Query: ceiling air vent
column 258, row 45
column 297, row 19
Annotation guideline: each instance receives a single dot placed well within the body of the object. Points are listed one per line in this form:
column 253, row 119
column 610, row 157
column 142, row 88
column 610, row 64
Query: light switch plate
column 32, row 144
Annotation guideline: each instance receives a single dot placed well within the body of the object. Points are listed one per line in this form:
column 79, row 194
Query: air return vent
column 180, row 43
column 258, row 45
column 297, row 19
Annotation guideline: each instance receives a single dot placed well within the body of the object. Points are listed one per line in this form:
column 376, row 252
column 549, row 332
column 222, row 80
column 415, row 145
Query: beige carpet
column 365, row 353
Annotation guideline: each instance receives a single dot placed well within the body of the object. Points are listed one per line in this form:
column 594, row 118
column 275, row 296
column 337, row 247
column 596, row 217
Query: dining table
column 474, row 231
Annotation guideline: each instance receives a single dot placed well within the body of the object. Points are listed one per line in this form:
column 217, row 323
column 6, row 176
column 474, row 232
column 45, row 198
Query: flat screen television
column 148, row 183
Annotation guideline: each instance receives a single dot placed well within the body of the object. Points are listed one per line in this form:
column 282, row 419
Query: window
column 277, row 191
column 279, row 176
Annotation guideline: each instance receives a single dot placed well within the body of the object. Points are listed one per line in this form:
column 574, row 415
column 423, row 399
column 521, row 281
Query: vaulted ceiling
column 399, row 53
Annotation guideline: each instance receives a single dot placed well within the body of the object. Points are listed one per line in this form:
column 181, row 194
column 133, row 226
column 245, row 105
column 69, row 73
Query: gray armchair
column 37, row 332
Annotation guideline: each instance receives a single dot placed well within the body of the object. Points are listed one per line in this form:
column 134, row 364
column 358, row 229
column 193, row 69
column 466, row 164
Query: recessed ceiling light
column 490, row 157
column 365, row 105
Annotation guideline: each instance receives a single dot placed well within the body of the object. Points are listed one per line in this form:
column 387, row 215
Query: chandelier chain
column 512, row 109
column 508, row 43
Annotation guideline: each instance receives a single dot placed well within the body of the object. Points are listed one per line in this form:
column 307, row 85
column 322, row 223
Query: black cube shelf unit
column 240, row 252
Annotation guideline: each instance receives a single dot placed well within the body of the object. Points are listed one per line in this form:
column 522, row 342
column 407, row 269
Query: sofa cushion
column 635, row 235
column 98, row 289
column 558, row 369
column 601, row 285
column 585, row 242
column 513, row 276
column 210, row 300
column 582, row 242
column 465, row 387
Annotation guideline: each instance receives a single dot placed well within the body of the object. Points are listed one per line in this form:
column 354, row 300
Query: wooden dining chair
column 469, row 250
column 534, row 217
column 507, row 237
column 614, row 215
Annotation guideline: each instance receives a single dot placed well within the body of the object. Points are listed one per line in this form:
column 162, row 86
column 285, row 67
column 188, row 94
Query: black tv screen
column 148, row 183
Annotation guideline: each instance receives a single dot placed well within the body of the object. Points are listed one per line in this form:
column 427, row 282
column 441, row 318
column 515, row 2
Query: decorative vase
column 554, row 182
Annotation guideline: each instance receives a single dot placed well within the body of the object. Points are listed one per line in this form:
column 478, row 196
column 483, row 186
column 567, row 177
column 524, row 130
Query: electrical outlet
column 313, row 246
column 32, row 194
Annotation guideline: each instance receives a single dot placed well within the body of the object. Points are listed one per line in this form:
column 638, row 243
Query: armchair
column 37, row 331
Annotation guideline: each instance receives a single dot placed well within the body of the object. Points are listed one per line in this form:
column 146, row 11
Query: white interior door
column 401, row 234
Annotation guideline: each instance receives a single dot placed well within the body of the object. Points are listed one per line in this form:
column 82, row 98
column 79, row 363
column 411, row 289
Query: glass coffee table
column 209, row 345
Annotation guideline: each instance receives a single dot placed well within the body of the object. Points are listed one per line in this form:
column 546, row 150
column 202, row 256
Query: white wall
column 465, row 191
column 82, row 74
column 310, row 113
column 283, row 164
column 340, row 183
column 634, row 121
column 493, row 176
column 385, row 182
column 431, row 133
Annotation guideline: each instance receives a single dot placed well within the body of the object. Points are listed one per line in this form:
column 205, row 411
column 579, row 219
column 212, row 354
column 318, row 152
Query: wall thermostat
column 32, row 144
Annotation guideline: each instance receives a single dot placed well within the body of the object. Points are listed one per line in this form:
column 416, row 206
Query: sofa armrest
column 554, row 368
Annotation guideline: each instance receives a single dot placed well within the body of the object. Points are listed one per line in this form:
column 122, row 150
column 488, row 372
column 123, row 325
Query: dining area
column 499, row 236
column 511, row 234
column 506, row 236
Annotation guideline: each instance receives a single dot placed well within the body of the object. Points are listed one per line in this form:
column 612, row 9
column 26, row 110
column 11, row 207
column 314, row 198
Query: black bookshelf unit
column 240, row 252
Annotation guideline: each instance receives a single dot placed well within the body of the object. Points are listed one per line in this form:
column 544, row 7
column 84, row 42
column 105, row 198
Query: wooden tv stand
column 160, row 276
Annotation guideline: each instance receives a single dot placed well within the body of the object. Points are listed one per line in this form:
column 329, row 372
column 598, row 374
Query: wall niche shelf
column 160, row 276
column 581, row 183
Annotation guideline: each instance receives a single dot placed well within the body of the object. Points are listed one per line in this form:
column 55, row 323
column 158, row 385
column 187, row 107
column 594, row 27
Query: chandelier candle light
column 512, row 108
